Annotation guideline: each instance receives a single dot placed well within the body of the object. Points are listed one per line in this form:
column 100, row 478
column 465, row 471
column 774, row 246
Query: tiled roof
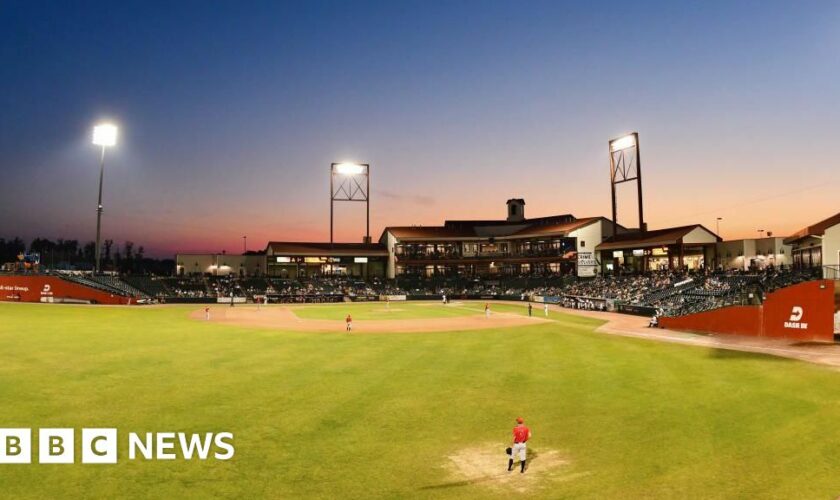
column 556, row 229
column 817, row 229
column 658, row 237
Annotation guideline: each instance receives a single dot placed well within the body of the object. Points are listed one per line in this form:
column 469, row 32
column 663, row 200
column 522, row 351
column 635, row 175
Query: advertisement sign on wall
column 586, row 264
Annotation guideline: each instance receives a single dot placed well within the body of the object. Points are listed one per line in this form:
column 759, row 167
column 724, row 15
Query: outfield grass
column 344, row 416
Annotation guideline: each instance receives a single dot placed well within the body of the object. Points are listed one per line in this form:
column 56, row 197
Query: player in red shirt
column 349, row 321
column 521, row 434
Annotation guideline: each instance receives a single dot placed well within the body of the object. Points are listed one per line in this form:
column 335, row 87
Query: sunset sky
column 230, row 114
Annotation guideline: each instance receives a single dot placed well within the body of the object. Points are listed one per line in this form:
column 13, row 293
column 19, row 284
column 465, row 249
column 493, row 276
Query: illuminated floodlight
column 349, row 168
column 105, row 135
column 626, row 142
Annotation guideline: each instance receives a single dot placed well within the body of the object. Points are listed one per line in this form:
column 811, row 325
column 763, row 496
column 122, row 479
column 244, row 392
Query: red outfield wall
column 52, row 289
column 800, row 312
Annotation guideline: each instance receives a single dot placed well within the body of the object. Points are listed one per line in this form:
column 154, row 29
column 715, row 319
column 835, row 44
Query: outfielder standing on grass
column 521, row 434
column 530, row 310
column 545, row 308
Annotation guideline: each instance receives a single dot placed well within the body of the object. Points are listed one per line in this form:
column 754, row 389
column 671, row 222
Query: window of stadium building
column 808, row 257
column 658, row 263
column 488, row 248
column 693, row 262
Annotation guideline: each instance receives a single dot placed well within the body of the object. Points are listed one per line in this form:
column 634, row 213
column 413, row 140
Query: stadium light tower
column 350, row 182
column 626, row 166
column 104, row 135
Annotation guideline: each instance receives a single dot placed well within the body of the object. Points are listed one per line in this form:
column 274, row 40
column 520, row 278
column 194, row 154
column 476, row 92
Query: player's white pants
column 520, row 449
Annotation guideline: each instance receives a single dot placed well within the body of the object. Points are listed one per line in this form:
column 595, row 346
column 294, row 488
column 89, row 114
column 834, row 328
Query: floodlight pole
column 642, row 227
column 350, row 189
column 623, row 171
column 367, row 204
column 98, row 267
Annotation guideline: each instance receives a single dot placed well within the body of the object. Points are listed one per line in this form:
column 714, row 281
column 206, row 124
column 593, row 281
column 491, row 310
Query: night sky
column 231, row 112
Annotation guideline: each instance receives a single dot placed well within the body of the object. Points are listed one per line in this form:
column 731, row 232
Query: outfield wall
column 50, row 289
column 799, row 312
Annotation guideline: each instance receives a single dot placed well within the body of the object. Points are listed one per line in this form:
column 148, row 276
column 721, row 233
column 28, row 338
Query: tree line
column 71, row 254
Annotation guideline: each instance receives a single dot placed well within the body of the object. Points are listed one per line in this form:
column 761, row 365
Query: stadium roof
column 561, row 228
column 551, row 219
column 656, row 238
column 817, row 229
column 558, row 225
column 326, row 249
column 429, row 232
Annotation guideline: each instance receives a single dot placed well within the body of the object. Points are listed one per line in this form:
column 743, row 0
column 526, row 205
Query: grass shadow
column 745, row 355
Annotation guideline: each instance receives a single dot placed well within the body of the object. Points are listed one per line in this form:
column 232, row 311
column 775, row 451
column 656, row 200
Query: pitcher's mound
column 486, row 466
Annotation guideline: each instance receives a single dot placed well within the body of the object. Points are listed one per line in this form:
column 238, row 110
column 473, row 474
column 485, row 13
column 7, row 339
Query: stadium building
column 559, row 244
column 818, row 245
column 220, row 264
column 300, row 260
column 754, row 253
column 685, row 247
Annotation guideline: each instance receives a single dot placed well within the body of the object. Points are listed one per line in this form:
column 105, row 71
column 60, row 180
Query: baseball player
column 545, row 308
column 349, row 321
column 206, row 314
column 487, row 309
column 521, row 434
column 530, row 310
column 444, row 299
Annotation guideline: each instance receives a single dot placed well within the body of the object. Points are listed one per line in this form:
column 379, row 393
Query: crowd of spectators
column 667, row 292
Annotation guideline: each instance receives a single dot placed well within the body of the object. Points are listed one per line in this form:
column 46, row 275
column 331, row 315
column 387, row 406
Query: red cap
column 520, row 420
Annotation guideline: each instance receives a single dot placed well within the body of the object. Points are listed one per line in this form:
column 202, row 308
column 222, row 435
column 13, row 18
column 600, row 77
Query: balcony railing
column 403, row 257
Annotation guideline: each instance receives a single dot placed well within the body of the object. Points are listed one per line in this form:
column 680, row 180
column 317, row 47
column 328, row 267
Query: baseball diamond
column 384, row 400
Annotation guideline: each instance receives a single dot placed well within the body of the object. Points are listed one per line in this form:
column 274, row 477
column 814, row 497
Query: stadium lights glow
column 105, row 134
column 349, row 168
column 626, row 142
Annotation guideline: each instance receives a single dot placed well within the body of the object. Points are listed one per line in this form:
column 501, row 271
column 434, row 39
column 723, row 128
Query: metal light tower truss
column 626, row 166
column 350, row 182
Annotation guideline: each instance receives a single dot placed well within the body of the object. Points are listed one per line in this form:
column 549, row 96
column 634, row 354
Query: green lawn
column 376, row 416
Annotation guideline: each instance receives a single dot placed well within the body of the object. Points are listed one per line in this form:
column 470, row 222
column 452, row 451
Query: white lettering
column 220, row 443
column 146, row 447
column 165, row 442
column 195, row 443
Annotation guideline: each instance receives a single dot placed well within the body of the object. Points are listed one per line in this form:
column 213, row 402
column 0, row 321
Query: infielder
column 206, row 314
column 521, row 435
column 545, row 309
column 487, row 309
column 349, row 321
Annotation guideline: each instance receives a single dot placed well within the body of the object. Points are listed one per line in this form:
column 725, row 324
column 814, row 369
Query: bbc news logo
column 99, row 446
